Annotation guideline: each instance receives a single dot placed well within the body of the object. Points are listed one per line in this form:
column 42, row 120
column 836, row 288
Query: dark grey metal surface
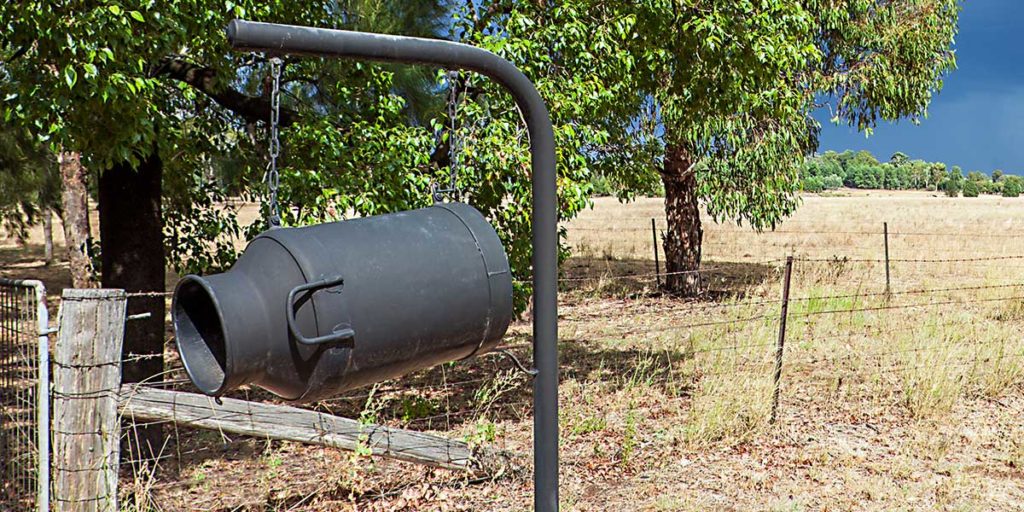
column 419, row 288
column 339, row 43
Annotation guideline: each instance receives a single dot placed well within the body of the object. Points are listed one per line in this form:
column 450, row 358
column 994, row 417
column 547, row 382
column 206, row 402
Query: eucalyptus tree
column 736, row 130
column 714, row 99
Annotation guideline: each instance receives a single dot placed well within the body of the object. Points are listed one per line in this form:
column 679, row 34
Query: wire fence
column 630, row 242
column 24, row 407
column 639, row 224
column 729, row 331
column 805, row 240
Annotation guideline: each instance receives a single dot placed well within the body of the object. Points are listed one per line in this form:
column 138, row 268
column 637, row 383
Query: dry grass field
column 909, row 400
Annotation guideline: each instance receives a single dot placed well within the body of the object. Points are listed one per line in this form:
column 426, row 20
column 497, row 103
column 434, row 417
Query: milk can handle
column 341, row 333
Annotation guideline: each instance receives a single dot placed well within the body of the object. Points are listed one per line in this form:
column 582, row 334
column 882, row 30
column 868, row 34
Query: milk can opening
column 200, row 335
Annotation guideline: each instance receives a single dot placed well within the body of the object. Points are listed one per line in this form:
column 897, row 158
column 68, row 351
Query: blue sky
column 977, row 121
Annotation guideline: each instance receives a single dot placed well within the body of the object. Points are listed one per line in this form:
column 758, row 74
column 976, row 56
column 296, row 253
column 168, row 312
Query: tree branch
column 250, row 108
column 18, row 53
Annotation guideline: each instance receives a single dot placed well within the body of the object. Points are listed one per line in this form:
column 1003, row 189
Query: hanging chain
column 454, row 148
column 273, row 177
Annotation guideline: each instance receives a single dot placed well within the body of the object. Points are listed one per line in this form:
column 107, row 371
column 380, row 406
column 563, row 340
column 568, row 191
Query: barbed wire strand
column 903, row 306
column 768, row 233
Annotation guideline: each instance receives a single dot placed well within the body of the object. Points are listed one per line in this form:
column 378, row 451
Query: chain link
column 454, row 143
column 273, row 176
column 454, row 150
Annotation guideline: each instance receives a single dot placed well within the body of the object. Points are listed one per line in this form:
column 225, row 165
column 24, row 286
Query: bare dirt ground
column 903, row 401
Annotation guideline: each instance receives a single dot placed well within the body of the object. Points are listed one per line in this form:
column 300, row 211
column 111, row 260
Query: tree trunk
column 132, row 251
column 47, row 236
column 684, row 234
column 75, row 202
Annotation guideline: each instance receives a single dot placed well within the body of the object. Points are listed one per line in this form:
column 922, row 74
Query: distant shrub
column 813, row 184
column 866, row 176
column 831, row 182
column 971, row 189
column 950, row 187
column 1011, row 188
column 600, row 186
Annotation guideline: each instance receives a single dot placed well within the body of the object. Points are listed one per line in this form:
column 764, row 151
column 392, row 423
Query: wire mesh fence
column 24, row 401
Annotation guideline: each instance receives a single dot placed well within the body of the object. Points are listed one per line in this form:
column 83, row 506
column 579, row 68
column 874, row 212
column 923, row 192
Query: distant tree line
column 860, row 169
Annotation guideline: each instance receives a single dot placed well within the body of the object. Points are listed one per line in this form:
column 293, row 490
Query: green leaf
column 115, row 9
column 70, row 76
column 137, row 16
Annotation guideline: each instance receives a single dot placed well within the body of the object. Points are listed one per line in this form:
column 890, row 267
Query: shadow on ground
column 637, row 277
column 449, row 397
column 26, row 262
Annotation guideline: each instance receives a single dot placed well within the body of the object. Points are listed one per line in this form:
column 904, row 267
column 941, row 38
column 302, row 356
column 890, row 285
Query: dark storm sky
column 977, row 121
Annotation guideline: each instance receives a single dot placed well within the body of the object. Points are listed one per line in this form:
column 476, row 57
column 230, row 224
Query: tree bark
column 75, row 202
column 132, row 251
column 684, row 234
column 47, row 236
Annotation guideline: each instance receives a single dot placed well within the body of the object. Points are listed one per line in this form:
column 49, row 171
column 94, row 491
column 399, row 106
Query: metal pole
column 780, row 345
column 268, row 37
column 43, row 395
column 657, row 264
column 885, row 231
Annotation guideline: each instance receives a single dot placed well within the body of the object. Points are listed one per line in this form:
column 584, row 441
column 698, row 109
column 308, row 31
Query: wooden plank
column 282, row 422
column 86, row 379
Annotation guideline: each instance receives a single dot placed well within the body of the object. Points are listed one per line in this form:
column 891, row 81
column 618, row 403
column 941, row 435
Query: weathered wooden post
column 86, row 383
column 657, row 264
column 781, row 345
column 885, row 231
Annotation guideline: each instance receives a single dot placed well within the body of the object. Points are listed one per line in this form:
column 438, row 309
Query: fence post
column 780, row 345
column 885, row 231
column 657, row 264
column 87, row 378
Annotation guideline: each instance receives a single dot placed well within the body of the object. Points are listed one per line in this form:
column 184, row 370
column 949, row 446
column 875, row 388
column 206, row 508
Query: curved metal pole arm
column 290, row 39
